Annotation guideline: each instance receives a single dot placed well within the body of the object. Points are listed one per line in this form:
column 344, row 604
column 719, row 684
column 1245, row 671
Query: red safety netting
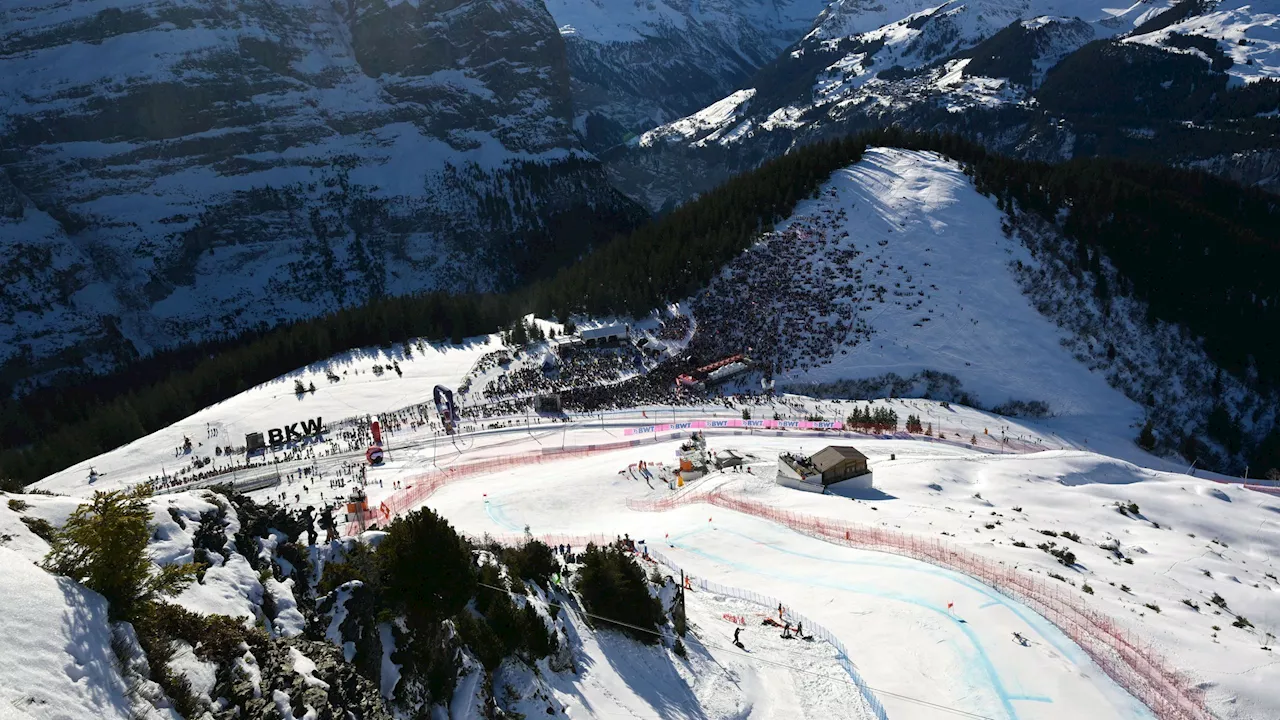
column 420, row 487
column 1134, row 665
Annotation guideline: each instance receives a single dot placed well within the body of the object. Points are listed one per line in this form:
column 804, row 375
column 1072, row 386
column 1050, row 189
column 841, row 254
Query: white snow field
column 57, row 661
column 1059, row 480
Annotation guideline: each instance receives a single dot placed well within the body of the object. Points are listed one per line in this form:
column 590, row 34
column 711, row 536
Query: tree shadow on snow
column 94, row 666
column 648, row 670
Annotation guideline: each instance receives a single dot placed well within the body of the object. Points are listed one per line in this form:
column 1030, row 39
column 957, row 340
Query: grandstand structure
column 715, row 373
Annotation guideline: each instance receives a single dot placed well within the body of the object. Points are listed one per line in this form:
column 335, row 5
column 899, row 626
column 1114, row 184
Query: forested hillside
column 1203, row 252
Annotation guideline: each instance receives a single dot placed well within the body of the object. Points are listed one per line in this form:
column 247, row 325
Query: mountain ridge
column 200, row 169
column 1001, row 73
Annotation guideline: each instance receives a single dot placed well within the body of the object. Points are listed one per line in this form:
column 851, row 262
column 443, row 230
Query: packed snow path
column 891, row 612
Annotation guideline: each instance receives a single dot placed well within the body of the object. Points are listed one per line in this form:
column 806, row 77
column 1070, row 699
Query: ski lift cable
column 691, row 639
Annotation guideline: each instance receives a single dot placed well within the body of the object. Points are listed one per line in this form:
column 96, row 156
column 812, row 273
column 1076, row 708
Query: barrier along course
column 1130, row 663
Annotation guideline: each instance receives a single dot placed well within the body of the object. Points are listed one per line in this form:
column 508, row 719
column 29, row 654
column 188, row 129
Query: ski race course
column 919, row 620
column 1140, row 589
column 901, row 618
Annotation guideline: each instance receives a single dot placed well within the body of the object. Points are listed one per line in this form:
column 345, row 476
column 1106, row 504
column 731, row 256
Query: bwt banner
column 713, row 424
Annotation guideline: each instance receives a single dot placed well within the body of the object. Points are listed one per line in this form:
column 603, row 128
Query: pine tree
column 1147, row 438
column 104, row 545
column 299, row 388
column 519, row 335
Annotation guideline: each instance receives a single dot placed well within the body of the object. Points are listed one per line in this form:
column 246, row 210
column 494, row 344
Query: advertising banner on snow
column 714, row 424
column 276, row 437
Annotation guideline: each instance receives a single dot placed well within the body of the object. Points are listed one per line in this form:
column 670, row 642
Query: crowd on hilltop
column 792, row 300
column 674, row 328
column 569, row 369
column 656, row 387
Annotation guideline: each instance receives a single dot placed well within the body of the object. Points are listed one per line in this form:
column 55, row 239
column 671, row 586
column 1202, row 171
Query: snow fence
column 1126, row 660
column 420, row 487
column 767, row 602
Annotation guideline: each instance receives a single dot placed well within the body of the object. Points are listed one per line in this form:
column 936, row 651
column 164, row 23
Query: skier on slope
column 736, row 641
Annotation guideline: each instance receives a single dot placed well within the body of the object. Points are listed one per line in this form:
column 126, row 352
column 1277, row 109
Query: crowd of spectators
column 569, row 369
column 674, row 328
column 791, row 301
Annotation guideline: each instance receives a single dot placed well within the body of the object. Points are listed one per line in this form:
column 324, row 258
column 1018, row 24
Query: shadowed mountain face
column 175, row 169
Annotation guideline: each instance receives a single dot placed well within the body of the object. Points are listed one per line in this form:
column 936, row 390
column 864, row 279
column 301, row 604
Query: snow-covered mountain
column 637, row 64
column 171, row 170
column 1046, row 79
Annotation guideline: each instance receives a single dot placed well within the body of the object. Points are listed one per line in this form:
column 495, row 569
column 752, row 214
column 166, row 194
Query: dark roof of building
column 832, row 455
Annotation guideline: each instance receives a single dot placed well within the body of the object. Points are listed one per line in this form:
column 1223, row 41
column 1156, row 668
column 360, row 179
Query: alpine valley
column 178, row 171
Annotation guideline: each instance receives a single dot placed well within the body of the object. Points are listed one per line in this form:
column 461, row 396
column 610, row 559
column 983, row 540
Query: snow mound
column 57, row 663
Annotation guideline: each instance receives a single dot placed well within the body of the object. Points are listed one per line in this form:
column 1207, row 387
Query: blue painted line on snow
column 989, row 603
column 1046, row 630
column 1033, row 619
column 1031, row 698
column 498, row 515
column 985, row 660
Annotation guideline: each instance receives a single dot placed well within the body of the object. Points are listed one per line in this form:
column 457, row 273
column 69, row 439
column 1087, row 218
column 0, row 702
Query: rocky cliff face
column 174, row 169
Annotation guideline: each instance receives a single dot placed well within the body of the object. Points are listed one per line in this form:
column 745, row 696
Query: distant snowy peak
column 635, row 64
column 975, row 18
column 1248, row 33
column 716, row 118
column 889, row 53
column 1044, row 79
column 924, row 60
